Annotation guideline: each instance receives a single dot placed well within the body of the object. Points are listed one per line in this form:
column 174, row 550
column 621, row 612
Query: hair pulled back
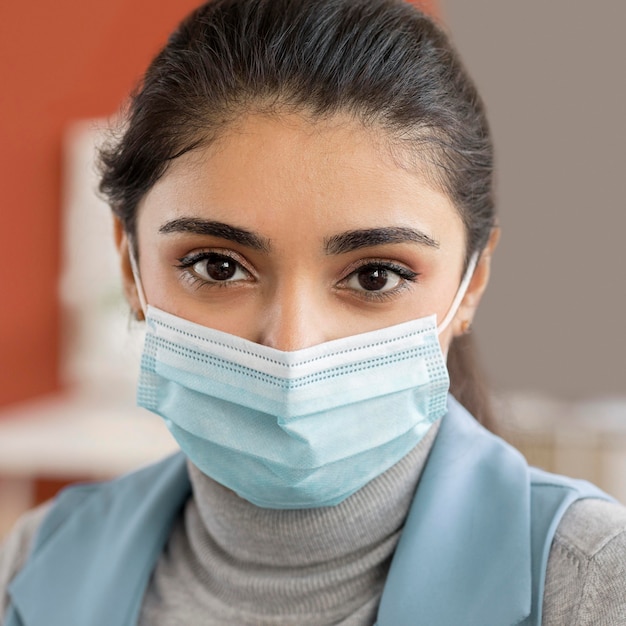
column 382, row 61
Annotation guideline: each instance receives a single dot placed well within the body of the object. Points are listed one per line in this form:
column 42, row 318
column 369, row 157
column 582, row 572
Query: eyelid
column 193, row 277
column 407, row 277
column 399, row 268
column 192, row 258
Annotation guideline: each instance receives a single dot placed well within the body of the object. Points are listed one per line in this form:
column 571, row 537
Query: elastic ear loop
column 460, row 294
column 454, row 307
column 135, row 269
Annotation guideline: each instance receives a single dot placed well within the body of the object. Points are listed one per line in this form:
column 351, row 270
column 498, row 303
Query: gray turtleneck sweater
column 235, row 563
column 230, row 562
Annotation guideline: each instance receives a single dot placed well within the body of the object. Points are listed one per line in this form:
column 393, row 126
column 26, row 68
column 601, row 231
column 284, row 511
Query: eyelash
column 186, row 264
column 406, row 275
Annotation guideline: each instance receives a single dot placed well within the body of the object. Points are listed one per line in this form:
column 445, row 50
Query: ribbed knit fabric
column 586, row 577
column 230, row 562
column 585, row 580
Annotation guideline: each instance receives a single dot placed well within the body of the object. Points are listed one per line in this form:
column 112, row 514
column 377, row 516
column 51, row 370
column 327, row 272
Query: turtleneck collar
column 328, row 561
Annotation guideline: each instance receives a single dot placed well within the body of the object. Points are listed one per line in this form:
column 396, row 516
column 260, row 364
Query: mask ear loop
column 454, row 307
column 460, row 294
column 135, row 269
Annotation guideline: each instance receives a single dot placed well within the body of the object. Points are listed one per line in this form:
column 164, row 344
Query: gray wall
column 553, row 75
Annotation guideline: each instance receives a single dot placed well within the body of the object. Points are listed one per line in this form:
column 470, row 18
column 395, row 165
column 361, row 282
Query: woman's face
column 291, row 233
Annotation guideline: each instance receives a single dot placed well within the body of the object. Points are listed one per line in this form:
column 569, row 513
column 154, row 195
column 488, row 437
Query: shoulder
column 586, row 574
column 15, row 549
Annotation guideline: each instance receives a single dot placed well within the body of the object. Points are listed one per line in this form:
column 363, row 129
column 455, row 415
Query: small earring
column 466, row 327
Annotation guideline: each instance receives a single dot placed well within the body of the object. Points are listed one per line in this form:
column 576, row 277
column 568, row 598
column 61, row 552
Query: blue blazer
column 474, row 549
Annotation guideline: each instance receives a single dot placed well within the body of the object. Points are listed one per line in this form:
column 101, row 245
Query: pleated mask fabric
column 297, row 429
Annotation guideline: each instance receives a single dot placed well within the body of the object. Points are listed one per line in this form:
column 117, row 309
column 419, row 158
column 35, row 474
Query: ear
column 123, row 243
column 465, row 315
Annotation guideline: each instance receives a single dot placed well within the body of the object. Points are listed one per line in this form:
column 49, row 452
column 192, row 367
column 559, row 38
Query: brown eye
column 219, row 268
column 373, row 279
column 379, row 278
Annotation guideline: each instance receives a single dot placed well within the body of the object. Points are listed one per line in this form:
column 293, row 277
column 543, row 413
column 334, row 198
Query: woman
column 304, row 213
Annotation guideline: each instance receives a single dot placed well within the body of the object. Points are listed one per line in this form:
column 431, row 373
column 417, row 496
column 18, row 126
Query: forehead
column 332, row 172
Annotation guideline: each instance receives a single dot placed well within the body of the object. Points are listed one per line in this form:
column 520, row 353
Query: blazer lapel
column 464, row 556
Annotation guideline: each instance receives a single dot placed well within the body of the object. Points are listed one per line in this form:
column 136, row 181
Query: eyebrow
column 199, row 226
column 366, row 238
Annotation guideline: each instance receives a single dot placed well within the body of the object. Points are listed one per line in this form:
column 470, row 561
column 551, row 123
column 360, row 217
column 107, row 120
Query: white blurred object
column 73, row 437
column 70, row 438
column 93, row 429
column 583, row 439
column 100, row 344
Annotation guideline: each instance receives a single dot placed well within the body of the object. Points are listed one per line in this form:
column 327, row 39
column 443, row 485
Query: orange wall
column 59, row 61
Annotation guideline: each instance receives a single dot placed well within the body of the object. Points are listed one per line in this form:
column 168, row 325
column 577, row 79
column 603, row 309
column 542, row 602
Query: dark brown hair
column 382, row 61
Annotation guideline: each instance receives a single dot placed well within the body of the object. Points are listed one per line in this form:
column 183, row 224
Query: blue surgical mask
column 301, row 429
